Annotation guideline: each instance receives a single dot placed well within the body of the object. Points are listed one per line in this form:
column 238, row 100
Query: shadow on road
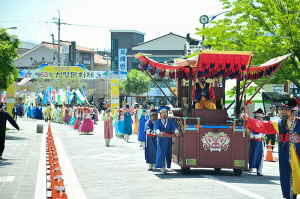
column 223, row 175
column 5, row 162
column 9, row 137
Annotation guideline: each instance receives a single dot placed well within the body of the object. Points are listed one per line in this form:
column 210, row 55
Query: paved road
column 95, row 171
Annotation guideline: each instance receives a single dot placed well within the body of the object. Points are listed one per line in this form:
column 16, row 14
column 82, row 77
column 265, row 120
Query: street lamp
column 204, row 19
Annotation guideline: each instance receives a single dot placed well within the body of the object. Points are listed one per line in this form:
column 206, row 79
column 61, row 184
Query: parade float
column 209, row 138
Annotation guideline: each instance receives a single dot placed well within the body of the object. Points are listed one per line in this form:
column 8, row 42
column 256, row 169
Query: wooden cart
column 209, row 139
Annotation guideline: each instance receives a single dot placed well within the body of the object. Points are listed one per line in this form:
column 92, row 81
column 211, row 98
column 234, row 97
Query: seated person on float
column 204, row 94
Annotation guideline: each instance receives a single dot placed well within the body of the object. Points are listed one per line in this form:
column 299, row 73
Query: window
column 114, row 55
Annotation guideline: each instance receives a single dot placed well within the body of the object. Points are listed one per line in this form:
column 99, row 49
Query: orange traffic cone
column 63, row 196
column 269, row 156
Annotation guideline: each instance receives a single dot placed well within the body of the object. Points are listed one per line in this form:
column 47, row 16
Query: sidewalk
column 19, row 166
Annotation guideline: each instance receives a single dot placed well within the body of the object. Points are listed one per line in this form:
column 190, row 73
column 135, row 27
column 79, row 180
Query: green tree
column 250, row 90
column 9, row 45
column 136, row 83
column 269, row 28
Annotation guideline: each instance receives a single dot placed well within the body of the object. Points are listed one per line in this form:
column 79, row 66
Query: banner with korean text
column 122, row 60
column 114, row 94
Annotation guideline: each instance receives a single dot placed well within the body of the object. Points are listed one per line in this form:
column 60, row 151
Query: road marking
column 73, row 187
column 7, row 178
column 108, row 156
column 41, row 182
column 234, row 187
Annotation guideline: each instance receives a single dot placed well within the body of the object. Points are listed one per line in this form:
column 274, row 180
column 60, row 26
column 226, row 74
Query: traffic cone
column 269, row 157
column 63, row 196
column 61, row 186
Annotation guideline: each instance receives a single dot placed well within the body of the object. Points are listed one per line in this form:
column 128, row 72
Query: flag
column 58, row 100
column 68, row 87
column 82, row 90
column 23, row 81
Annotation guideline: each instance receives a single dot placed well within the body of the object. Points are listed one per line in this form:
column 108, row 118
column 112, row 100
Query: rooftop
column 133, row 31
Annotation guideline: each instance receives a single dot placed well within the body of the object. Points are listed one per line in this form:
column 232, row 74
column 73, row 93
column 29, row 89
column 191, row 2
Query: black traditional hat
column 152, row 111
column 289, row 104
column 259, row 112
column 127, row 106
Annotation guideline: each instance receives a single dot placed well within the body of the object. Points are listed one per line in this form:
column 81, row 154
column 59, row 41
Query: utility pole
column 58, row 38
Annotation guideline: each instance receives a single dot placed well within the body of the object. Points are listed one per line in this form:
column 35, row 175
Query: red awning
column 215, row 64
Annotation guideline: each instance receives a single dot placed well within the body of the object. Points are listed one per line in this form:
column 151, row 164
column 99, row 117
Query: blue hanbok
column 164, row 145
column 127, row 124
column 151, row 143
column 256, row 152
column 28, row 111
column 141, row 130
column 34, row 112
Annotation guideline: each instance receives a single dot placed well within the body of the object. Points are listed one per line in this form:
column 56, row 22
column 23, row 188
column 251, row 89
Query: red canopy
column 215, row 64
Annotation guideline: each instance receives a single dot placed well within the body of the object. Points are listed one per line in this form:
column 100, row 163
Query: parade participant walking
column 95, row 110
column 87, row 125
column 269, row 115
column 120, row 124
column 151, row 140
column 205, row 94
column 128, row 111
column 135, row 119
column 162, row 126
column 141, row 131
column 79, row 116
column 108, row 125
column 4, row 116
column 48, row 112
column 67, row 115
column 74, row 118
column 62, row 114
column 15, row 112
column 256, row 155
column 288, row 129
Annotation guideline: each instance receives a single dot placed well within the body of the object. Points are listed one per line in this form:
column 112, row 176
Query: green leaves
column 9, row 45
column 136, row 83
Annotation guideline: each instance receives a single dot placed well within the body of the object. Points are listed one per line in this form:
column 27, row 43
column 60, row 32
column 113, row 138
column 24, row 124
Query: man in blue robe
column 34, row 112
column 128, row 111
column 141, row 131
column 256, row 155
column 164, row 126
column 288, row 129
column 151, row 141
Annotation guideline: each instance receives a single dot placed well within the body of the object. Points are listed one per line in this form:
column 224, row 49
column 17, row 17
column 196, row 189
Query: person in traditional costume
column 67, row 115
column 163, row 126
column 136, row 120
column 120, row 124
column 141, row 132
column 29, row 110
column 55, row 113
column 62, row 114
column 128, row 111
column 108, row 125
column 151, row 140
column 74, row 119
column 48, row 112
column 79, row 116
column 34, row 112
column 39, row 112
column 44, row 112
column 256, row 155
column 87, row 124
column 288, row 128
column 204, row 94
column 95, row 110
column 82, row 115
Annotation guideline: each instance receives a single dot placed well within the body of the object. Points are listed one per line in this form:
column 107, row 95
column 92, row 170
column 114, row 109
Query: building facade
column 47, row 53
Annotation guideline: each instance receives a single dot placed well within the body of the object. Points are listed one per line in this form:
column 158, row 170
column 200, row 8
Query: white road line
column 234, row 187
column 72, row 185
column 41, row 182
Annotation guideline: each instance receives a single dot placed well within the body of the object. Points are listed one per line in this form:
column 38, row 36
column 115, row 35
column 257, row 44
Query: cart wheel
column 217, row 169
column 237, row 172
column 185, row 170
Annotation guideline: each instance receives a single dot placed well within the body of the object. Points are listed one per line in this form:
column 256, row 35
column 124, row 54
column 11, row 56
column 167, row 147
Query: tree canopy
column 269, row 28
column 136, row 83
column 9, row 45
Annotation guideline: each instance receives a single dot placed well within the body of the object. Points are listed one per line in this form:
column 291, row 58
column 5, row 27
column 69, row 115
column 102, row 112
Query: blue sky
column 155, row 18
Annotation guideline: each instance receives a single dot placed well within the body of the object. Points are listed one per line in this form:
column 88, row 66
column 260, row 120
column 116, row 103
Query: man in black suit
column 15, row 112
column 4, row 116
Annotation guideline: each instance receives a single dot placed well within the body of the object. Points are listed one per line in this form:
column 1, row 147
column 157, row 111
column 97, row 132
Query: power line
column 102, row 27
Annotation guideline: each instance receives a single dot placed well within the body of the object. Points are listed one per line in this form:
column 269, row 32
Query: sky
column 155, row 18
